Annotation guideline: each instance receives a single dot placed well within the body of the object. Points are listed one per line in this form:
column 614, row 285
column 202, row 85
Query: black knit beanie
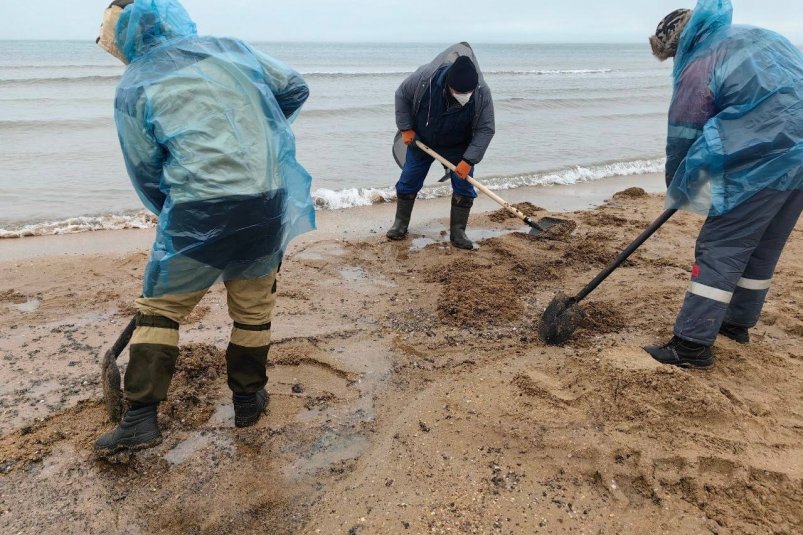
column 462, row 76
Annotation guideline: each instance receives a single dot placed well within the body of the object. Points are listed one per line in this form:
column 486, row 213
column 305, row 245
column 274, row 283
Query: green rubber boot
column 404, row 209
column 461, row 208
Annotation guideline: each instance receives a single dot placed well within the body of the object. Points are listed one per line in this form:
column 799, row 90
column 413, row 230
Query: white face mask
column 106, row 40
column 462, row 98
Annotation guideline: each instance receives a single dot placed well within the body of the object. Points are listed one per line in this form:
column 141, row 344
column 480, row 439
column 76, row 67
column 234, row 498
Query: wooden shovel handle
column 474, row 182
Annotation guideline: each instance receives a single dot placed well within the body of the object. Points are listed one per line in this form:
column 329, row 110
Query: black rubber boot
column 683, row 353
column 735, row 332
column 404, row 209
column 249, row 407
column 138, row 430
column 461, row 208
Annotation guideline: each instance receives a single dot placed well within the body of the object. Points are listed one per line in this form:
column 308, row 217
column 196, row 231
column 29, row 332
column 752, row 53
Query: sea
column 565, row 113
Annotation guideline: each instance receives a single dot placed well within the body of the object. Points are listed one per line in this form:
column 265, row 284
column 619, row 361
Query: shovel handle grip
column 638, row 242
column 483, row 188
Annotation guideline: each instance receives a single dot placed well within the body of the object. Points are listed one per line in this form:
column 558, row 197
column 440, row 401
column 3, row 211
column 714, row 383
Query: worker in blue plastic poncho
column 735, row 154
column 204, row 125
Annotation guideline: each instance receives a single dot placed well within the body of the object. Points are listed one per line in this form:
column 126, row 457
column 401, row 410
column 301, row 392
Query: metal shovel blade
column 551, row 227
column 112, row 391
column 110, row 374
column 560, row 319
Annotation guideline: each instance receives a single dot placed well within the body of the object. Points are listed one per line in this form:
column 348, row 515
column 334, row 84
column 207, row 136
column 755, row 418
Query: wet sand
column 410, row 393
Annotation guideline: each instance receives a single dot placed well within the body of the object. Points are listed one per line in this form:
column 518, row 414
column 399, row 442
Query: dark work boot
column 461, row 208
column 735, row 332
column 683, row 353
column 404, row 209
column 139, row 429
column 249, row 407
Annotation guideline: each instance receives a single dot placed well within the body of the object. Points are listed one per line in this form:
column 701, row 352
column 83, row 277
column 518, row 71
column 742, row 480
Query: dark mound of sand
column 502, row 215
column 630, row 193
column 201, row 369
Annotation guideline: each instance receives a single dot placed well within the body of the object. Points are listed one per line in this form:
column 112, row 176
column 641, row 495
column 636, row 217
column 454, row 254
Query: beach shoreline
column 344, row 223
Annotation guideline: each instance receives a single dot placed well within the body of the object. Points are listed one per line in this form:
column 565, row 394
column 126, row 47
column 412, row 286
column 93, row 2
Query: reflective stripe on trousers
column 736, row 255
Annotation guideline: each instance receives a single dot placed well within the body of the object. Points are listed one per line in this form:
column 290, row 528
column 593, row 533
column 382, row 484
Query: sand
column 411, row 394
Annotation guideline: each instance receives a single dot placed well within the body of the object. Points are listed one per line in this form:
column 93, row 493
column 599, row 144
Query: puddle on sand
column 474, row 234
column 223, row 415
column 31, row 306
column 420, row 243
column 353, row 274
column 357, row 275
column 195, row 443
column 480, row 234
column 330, row 449
column 320, row 251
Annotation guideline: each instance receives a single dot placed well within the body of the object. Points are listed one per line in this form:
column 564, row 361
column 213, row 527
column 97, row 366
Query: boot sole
column 126, row 448
column 465, row 248
column 396, row 238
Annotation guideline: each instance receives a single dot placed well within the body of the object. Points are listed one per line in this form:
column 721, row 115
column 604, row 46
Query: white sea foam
column 327, row 199
column 349, row 198
column 75, row 225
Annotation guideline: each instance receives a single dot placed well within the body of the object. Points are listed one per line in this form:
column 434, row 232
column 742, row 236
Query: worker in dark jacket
column 735, row 154
column 446, row 105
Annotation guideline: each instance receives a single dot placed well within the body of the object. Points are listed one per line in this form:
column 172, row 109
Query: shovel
column 536, row 227
column 110, row 374
column 563, row 314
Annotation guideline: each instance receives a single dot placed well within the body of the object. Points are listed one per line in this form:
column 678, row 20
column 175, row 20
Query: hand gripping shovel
column 110, row 374
column 561, row 317
column 536, row 227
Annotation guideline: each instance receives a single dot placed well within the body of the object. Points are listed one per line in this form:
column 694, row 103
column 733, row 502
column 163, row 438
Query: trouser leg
column 725, row 245
column 251, row 305
column 752, row 288
column 460, row 187
column 416, row 167
column 154, row 346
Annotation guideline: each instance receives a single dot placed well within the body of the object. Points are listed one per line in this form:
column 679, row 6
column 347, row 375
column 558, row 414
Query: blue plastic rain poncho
column 204, row 125
column 736, row 119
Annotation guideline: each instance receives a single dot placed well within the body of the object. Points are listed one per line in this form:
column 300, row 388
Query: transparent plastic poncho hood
column 204, row 127
column 736, row 120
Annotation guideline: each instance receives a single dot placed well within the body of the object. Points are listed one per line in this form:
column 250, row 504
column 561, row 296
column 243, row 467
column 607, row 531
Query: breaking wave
column 75, row 225
column 327, row 199
column 349, row 198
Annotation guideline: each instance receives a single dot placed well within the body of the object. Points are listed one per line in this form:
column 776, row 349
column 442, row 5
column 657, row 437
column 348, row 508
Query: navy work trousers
column 736, row 256
column 416, row 167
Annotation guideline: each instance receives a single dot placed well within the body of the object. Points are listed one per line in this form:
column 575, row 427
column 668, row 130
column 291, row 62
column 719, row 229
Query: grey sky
column 406, row 20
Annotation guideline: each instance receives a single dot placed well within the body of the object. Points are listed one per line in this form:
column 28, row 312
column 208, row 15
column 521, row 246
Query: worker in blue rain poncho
column 735, row 154
column 204, row 126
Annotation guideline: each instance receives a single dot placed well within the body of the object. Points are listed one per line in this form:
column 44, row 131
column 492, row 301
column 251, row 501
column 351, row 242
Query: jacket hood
column 146, row 24
column 707, row 17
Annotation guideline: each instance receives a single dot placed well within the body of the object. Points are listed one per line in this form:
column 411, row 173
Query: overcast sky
column 487, row 21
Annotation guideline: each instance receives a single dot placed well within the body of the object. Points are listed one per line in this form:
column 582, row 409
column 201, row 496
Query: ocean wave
column 349, row 198
column 328, row 199
column 75, row 225
column 102, row 78
column 376, row 74
column 61, row 80
column 59, row 124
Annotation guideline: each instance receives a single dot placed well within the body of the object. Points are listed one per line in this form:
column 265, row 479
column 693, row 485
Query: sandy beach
column 410, row 391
